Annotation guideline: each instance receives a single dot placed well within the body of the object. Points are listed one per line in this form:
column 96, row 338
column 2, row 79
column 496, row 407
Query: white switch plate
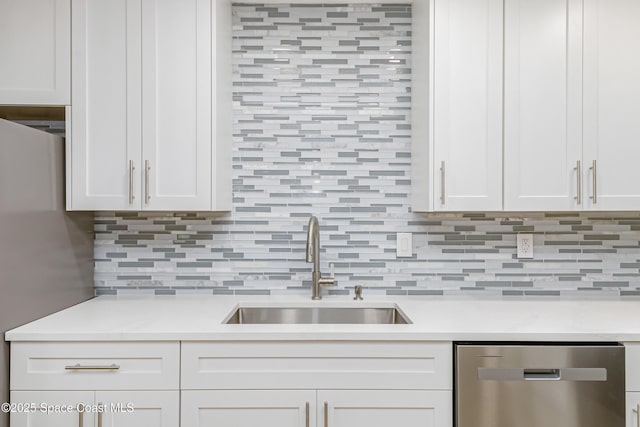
column 525, row 246
column 404, row 245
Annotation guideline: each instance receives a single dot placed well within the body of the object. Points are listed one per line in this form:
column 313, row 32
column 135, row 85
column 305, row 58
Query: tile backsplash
column 322, row 126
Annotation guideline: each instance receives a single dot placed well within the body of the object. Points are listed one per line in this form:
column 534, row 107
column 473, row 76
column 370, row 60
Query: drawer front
column 95, row 366
column 317, row 365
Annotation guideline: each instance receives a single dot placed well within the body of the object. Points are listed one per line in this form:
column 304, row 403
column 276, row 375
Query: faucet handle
column 358, row 292
column 327, row 281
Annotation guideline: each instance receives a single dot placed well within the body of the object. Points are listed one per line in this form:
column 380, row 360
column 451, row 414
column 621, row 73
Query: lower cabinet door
column 249, row 408
column 138, row 408
column 633, row 409
column 384, row 408
column 51, row 409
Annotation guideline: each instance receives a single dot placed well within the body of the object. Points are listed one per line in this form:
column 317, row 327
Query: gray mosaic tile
column 322, row 126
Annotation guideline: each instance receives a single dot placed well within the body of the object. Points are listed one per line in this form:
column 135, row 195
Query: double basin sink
column 296, row 315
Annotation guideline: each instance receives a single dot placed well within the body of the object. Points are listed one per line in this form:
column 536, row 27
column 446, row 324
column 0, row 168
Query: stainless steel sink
column 317, row 315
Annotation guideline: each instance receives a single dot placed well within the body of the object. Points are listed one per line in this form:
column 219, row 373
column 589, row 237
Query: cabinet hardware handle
column 637, row 411
column 306, row 408
column 147, row 168
column 594, row 171
column 442, row 183
column 80, row 416
column 80, row 367
column 326, row 414
column 579, row 182
column 100, row 414
column 132, row 168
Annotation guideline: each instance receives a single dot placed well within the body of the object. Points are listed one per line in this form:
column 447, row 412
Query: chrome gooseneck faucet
column 313, row 255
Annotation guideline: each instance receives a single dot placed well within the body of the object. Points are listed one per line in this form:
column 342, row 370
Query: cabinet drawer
column 95, row 365
column 316, row 365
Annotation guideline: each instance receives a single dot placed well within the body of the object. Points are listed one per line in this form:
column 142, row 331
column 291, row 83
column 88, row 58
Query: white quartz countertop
column 193, row 318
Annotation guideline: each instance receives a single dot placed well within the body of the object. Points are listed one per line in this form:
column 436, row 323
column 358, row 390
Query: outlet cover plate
column 525, row 246
column 404, row 245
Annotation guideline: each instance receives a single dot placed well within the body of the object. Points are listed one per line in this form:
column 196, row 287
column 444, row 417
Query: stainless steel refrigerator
column 46, row 254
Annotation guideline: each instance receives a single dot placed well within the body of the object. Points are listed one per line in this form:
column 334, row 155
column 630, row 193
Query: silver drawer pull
column 131, row 172
column 147, row 194
column 307, row 418
column 80, row 367
column 100, row 405
column 637, row 411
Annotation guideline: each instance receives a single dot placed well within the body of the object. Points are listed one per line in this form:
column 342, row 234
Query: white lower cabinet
column 101, row 384
column 316, row 384
column 248, row 408
column 232, row 384
column 632, row 383
column 99, row 408
column 309, row 408
column 383, row 408
column 31, row 408
column 633, row 408
column 139, row 408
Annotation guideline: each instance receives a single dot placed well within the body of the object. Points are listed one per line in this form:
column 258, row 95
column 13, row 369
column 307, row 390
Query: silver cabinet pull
column 80, row 367
column 594, row 171
column 147, row 168
column 131, row 170
column 306, row 408
column 442, row 183
column 100, row 415
column 81, row 416
column 326, row 414
column 579, row 182
column 637, row 411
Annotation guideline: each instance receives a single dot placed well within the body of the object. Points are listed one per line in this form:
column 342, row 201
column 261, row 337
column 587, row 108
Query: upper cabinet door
column 543, row 105
column 35, row 42
column 467, row 105
column 177, row 113
column 106, row 135
column 612, row 103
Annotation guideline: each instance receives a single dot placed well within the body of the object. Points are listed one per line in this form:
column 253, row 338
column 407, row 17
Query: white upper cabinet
column 467, row 104
column 543, row 105
column 145, row 135
column 568, row 134
column 612, row 104
column 176, row 98
column 106, row 134
column 34, row 50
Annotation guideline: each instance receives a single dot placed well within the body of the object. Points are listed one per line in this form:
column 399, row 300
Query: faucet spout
column 313, row 241
column 313, row 255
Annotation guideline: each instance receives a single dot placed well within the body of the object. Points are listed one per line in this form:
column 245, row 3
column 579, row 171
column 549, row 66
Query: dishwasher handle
column 541, row 374
column 555, row 374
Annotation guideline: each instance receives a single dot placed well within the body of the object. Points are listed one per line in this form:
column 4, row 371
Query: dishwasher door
column 539, row 386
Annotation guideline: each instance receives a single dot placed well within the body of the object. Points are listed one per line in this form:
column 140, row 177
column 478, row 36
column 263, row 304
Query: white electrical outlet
column 525, row 246
column 404, row 246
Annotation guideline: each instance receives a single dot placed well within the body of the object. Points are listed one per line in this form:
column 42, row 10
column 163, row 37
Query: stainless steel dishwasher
column 529, row 385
